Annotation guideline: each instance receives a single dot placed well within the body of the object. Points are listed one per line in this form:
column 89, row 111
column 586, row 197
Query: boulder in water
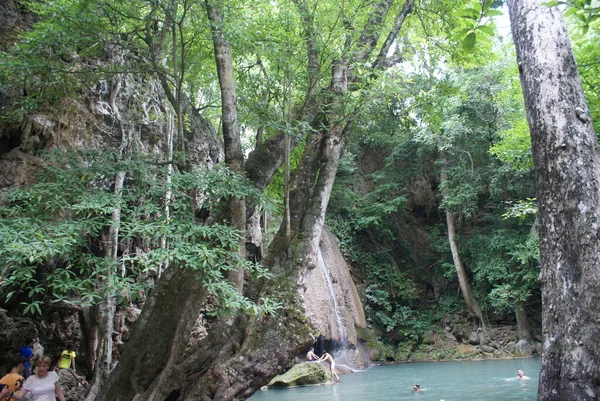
column 302, row 374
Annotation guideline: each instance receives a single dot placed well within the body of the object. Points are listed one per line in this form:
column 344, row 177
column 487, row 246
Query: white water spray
column 338, row 319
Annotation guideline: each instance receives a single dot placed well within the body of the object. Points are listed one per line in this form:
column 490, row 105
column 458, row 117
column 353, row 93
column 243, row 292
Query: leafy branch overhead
column 585, row 12
column 476, row 20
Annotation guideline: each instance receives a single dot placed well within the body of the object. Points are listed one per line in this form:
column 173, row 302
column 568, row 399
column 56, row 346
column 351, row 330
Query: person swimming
column 521, row 375
column 416, row 388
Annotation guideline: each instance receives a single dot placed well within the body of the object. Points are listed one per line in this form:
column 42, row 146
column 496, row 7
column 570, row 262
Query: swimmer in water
column 417, row 388
column 521, row 375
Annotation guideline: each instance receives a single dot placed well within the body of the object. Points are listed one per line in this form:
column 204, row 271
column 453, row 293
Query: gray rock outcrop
column 302, row 374
column 331, row 299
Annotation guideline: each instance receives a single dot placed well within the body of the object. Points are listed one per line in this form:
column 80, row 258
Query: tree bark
column 169, row 130
column 567, row 165
column 234, row 156
column 523, row 329
column 103, row 313
column 461, row 273
column 148, row 368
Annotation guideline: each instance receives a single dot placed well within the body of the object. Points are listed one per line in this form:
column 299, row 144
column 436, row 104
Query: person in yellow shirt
column 14, row 380
column 67, row 358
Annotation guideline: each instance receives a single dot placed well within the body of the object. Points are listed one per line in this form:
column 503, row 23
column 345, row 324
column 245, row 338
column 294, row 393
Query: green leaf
column 493, row 13
column 486, row 29
column 469, row 41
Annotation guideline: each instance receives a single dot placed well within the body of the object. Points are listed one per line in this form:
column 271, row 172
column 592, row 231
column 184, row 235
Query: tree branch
column 406, row 9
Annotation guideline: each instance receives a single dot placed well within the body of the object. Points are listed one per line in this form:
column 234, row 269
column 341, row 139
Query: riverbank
column 498, row 342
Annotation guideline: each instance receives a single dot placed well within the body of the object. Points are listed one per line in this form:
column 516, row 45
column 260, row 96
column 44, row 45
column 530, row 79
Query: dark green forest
column 180, row 159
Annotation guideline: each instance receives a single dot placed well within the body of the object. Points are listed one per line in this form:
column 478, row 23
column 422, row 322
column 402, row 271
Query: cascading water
column 332, row 305
column 338, row 319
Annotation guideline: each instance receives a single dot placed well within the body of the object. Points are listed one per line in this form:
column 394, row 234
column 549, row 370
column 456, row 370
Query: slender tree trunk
column 461, row 273
column 104, row 312
column 286, row 185
column 234, row 156
column 567, row 164
column 169, row 131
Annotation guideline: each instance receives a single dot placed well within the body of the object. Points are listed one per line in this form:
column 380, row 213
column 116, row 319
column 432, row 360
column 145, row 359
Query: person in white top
column 43, row 385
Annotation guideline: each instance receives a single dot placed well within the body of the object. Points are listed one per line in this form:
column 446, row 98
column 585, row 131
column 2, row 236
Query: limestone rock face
column 12, row 332
column 331, row 299
column 302, row 374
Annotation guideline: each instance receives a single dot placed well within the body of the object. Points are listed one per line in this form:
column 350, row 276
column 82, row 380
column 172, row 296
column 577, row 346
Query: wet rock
column 303, row 374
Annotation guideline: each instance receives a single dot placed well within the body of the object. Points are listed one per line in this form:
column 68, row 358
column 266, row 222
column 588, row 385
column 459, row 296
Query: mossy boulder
column 302, row 374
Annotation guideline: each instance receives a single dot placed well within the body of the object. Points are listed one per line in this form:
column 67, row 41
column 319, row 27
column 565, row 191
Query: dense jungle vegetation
column 434, row 200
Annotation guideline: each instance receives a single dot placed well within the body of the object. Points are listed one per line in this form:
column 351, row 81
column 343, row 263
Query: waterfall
column 332, row 304
column 336, row 311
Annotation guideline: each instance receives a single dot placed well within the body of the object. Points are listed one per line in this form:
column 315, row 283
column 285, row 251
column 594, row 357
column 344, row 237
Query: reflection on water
column 493, row 380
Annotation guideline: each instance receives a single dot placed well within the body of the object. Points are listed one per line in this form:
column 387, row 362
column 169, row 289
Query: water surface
column 493, row 380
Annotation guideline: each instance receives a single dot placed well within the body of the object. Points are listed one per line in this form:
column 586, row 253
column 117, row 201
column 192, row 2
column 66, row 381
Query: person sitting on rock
column 326, row 357
column 311, row 356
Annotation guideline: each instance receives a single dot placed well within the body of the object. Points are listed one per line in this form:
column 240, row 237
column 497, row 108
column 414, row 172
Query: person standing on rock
column 311, row 356
column 326, row 357
column 67, row 358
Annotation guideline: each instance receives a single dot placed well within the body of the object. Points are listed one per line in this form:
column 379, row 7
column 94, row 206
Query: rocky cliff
column 332, row 302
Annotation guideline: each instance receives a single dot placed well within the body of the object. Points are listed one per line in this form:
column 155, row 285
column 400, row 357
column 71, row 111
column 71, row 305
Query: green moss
column 302, row 374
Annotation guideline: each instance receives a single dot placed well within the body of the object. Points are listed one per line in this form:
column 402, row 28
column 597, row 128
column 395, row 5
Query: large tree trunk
column 567, row 164
column 148, row 368
column 239, row 354
column 523, row 328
